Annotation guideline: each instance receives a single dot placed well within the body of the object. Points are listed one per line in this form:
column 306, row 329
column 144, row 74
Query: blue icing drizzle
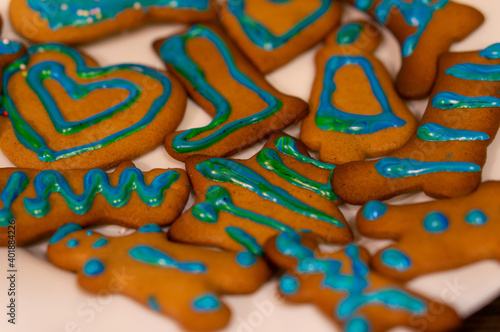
column 395, row 259
column 173, row 52
column 418, row 13
column 475, row 72
column 449, row 100
column 355, row 285
column 436, row 222
column 153, row 303
column 437, row 133
column 93, row 267
column 349, row 33
column 363, row 5
column 152, row 256
column 245, row 239
column 207, row 302
column 476, row 217
column 261, row 36
column 16, row 184
column 100, row 243
column 72, row 243
column 150, row 228
column 289, row 284
column 245, row 259
column 63, row 231
column 399, row 168
column 287, row 146
column 358, row 324
column 329, row 117
column 374, row 210
column 491, row 52
column 9, row 47
column 80, row 13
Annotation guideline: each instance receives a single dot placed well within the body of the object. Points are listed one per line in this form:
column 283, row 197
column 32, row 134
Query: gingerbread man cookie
column 343, row 126
column 218, row 77
column 446, row 155
column 181, row 281
column 39, row 202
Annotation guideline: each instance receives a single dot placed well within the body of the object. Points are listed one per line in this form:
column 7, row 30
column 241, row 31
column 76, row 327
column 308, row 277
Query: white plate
column 50, row 300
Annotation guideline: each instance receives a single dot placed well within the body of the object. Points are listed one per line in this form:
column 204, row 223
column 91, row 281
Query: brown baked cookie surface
column 36, row 203
column 181, row 281
column 271, row 33
column 65, row 112
column 244, row 106
column 355, row 110
column 425, row 29
column 342, row 285
column 446, row 155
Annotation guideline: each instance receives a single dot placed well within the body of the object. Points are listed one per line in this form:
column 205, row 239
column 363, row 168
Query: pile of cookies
column 66, row 120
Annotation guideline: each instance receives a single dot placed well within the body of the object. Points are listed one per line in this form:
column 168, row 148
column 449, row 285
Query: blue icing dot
column 100, row 243
column 349, row 33
column 374, row 210
column 476, row 217
column 246, row 259
column 153, row 304
column 207, row 302
column 396, row 259
column 436, row 222
column 93, row 267
column 89, row 233
column 289, row 284
column 491, row 52
column 151, row 228
column 64, row 231
column 72, row 243
column 357, row 324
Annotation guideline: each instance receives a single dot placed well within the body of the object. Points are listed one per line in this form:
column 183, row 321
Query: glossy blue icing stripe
column 329, row 117
column 150, row 228
column 152, row 256
column 245, row 239
column 447, row 100
column 399, row 168
column 64, row 231
column 261, row 36
column 287, row 146
column 9, row 47
column 437, row 133
column 16, row 184
column 173, row 52
column 349, row 33
column 491, row 52
column 475, row 72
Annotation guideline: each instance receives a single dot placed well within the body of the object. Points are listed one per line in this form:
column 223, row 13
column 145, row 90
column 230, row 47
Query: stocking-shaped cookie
column 181, row 281
column 425, row 29
column 271, row 33
column 436, row 235
column 242, row 203
column 39, row 202
column 446, row 155
column 218, row 77
column 342, row 285
column 355, row 111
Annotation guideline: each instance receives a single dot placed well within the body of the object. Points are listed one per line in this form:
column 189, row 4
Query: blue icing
column 89, row 233
column 358, row 324
column 100, row 243
column 437, row 133
column 329, row 117
column 261, row 36
column 349, row 33
column 418, row 13
column 399, row 168
column 363, row 5
column 355, row 285
column 153, row 303
column 93, row 267
column 395, row 259
column 289, row 284
column 207, row 302
column 72, row 243
column 9, row 47
column 449, row 100
column 475, row 72
column 476, row 217
column 246, row 259
column 245, row 239
column 374, row 210
column 63, row 231
column 436, row 222
column 150, row 228
column 152, row 256
column 491, row 52
column 16, row 184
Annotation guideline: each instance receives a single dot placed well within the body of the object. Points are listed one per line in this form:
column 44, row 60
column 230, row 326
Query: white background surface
column 50, row 300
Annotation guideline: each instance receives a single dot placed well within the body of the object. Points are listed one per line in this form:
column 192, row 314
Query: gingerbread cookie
column 342, row 285
column 80, row 21
column 446, row 155
column 67, row 113
column 181, row 281
column 242, row 203
column 271, row 33
column 245, row 108
column 455, row 231
column 425, row 29
column 342, row 126
column 39, row 202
